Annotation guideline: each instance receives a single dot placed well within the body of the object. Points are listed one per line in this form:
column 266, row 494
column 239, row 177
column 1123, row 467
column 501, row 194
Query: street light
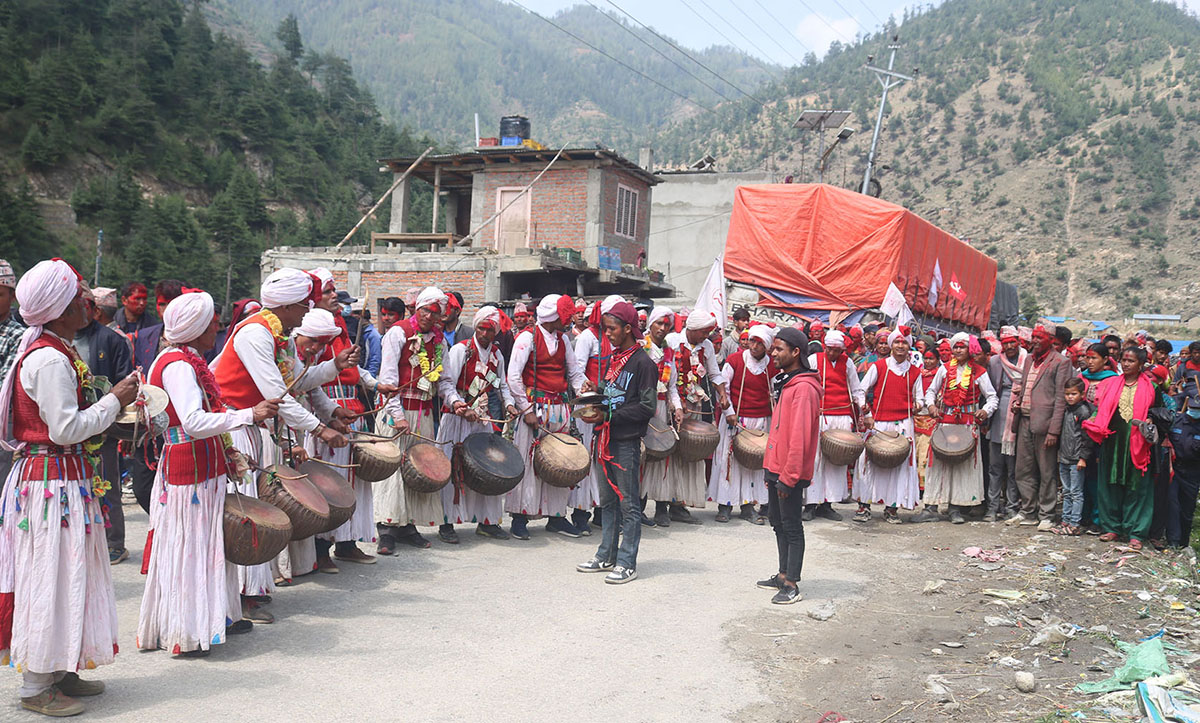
column 820, row 121
column 842, row 135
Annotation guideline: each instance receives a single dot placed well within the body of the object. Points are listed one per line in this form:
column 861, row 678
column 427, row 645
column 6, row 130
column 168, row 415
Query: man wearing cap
column 57, row 608
column 655, row 484
column 628, row 382
column 107, row 355
column 695, row 361
column 747, row 375
column 839, row 410
column 1004, row 372
column 106, row 306
column 896, row 394
column 591, row 351
column 259, row 361
column 955, row 396
column 191, row 591
column 1040, row 406
column 473, row 368
column 542, row 371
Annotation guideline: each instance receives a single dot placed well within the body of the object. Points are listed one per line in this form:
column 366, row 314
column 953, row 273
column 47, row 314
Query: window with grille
column 627, row 203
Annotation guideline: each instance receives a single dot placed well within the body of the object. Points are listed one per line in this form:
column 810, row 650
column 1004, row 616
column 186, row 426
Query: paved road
column 487, row 631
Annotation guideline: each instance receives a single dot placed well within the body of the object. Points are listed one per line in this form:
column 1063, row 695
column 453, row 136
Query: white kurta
column 960, row 483
column 531, row 497
column 686, row 480
column 191, row 591
column 730, row 483
column 586, row 494
column 829, row 480
column 361, row 525
column 656, row 484
column 56, row 561
column 898, row 486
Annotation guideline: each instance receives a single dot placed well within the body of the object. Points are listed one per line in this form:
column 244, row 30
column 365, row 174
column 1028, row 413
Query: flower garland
column 659, row 355
column 959, row 378
column 281, row 345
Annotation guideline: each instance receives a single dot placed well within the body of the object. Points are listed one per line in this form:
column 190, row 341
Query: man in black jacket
column 629, row 380
column 1182, row 492
column 107, row 354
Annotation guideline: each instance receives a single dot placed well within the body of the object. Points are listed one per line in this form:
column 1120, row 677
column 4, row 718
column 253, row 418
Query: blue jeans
column 1072, row 492
column 621, row 522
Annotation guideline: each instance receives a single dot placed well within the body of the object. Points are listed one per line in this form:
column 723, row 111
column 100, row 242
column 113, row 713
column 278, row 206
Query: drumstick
column 296, row 381
column 333, row 464
column 420, row 436
column 364, row 433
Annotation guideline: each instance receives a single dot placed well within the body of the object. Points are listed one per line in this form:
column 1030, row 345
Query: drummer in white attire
column 191, row 595
column 842, row 392
column 896, row 383
column 747, row 374
column 473, row 367
column 655, row 483
column 954, row 394
column 589, row 355
column 259, row 362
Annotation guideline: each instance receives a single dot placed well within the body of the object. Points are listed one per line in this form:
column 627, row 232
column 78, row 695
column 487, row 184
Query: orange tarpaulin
column 814, row 246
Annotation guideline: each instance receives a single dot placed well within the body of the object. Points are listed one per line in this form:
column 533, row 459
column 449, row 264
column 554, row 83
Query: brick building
column 581, row 229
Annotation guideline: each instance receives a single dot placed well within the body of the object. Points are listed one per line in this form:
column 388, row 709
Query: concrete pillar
column 401, row 201
column 450, row 214
column 646, row 159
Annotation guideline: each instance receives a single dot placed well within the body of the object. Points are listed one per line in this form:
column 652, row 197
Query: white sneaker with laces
column 620, row 575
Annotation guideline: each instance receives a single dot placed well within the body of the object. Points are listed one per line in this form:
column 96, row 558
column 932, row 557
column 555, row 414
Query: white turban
column 762, row 332
column 961, row 337
column 317, row 324
column 286, row 286
column 46, row 290
column 835, row 339
column 898, row 335
column 588, row 311
column 431, row 295
column 187, row 317
column 660, row 312
column 699, row 320
column 486, row 314
column 609, row 302
column 547, row 308
column 325, row 276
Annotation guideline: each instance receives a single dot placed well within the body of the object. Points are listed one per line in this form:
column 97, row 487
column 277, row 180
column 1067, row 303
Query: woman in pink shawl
column 1126, row 482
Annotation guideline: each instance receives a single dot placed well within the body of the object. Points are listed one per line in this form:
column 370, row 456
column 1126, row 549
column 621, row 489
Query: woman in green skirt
column 1125, row 493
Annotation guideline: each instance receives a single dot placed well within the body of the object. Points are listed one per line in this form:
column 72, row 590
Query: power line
column 769, row 71
column 822, row 19
column 645, row 42
column 681, row 50
column 754, row 45
column 868, row 7
column 850, row 15
column 616, row 60
column 772, row 37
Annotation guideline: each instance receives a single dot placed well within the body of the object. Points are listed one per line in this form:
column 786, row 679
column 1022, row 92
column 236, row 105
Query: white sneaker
column 1028, row 521
column 1015, row 519
column 1045, row 526
column 620, row 575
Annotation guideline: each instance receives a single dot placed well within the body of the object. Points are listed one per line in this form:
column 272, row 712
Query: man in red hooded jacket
column 791, row 451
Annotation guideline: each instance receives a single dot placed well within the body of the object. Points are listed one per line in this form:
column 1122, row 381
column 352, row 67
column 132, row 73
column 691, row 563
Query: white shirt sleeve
column 505, row 393
column 256, row 348
column 726, row 374
column 452, row 365
column 179, row 381
column 991, row 400
column 857, row 393
column 673, row 388
column 585, row 346
column 935, row 387
column 868, row 382
column 710, row 363
column 575, row 370
column 522, row 346
column 389, row 366
column 321, row 404
column 48, row 377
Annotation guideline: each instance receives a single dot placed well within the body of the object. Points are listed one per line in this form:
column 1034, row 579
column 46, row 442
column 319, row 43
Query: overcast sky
column 781, row 31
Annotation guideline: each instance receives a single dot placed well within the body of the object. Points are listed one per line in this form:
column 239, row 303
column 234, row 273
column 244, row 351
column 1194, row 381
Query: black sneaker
column 956, row 517
column 496, row 532
column 809, row 514
column 929, row 514
column 661, row 518
column 579, row 520
column 648, row 521
column 594, row 565
column 562, row 527
column 620, row 575
column 520, row 528
column 787, row 596
column 239, row 627
column 891, row 516
column 771, row 583
column 386, row 545
column 827, row 512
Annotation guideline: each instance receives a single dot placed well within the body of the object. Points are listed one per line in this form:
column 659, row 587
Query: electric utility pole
column 888, row 79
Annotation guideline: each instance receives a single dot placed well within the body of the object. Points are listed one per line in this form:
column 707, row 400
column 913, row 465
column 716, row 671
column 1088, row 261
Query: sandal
column 1072, row 530
column 1108, row 537
column 1060, row 529
column 1135, row 544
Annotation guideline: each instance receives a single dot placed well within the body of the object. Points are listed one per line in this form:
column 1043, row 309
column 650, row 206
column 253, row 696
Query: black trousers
column 785, row 517
column 143, row 476
column 1181, row 503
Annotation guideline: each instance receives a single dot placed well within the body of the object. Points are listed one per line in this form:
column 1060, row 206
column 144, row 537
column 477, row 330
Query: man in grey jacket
column 1040, row 406
column 1004, row 370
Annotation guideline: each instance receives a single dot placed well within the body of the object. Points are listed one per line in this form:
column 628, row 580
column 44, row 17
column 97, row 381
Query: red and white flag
column 935, row 284
column 712, row 294
column 955, row 289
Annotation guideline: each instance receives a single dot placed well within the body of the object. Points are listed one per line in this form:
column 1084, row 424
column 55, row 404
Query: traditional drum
column 299, row 499
column 841, row 447
column 137, row 423
column 255, row 532
column 424, row 467
column 697, row 440
column 488, row 464
column 749, row 448
column 338, row 492
column 887, row 449
column 560, row 460
column 953, row 442
column 659, row 442
column 377, row 459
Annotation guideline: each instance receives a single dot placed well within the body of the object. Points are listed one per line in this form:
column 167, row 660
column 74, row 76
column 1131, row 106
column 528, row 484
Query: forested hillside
column 436, row 64
column 1060, row 137
column 189, row 153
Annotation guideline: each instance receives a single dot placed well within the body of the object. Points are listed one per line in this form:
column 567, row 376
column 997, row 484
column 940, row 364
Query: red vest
column 29, row 428
column 468, row 374
column 957, row 404
column 836, row 401
column 750, row 393
column 192, row 462
column 893, row 393
column 545, row 372
column 683, row 364
column 409, row 376
column 237, row 386
column 343, row 390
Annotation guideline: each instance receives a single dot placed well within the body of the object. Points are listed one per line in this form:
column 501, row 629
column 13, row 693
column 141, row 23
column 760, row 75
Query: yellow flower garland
column 959, row 378
column 281, row 345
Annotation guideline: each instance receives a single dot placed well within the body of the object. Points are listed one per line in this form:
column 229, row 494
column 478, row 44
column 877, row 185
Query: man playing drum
column 592, row 349
column 842, row 393
column 695, row 360
column 954, row 396
column 413, row 352
column 655, row 483
column 747, row 374
column 259, row 362
column 473, row 368
column 56, row 591
column 895, row 383
column 540, row 373
column 191, row 591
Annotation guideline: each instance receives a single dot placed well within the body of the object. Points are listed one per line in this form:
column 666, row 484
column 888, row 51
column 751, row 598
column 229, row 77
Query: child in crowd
column 1073, row 450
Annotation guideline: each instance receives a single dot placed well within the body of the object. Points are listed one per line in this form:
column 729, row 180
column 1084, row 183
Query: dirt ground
column 871, row 660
